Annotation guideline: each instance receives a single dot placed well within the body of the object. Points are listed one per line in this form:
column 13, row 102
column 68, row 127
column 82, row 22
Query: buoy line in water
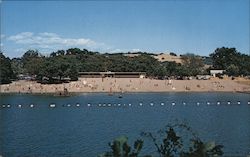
column 140, row 104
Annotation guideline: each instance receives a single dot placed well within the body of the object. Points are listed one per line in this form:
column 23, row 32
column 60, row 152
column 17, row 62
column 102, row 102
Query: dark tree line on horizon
column 67, row 63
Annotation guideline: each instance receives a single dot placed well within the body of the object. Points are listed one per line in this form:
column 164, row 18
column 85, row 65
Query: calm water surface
column 86, row 131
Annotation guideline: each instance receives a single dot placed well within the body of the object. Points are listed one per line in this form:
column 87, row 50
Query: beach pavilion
column 112, row 74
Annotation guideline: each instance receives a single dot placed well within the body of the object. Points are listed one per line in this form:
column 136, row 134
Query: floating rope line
column 152, row 104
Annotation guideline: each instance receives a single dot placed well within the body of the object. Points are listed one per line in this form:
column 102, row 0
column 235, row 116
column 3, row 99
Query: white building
column 214, row 72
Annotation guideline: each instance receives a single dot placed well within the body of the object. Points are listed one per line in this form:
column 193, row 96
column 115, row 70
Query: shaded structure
column 112, row 74
column 216, row 72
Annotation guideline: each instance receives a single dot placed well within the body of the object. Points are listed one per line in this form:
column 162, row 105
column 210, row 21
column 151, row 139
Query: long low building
column 112, row 74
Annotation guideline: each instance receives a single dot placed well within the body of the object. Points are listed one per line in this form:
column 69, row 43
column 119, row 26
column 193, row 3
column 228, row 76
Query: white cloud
column 21, row 37
column 52, row 41
column 48, row 34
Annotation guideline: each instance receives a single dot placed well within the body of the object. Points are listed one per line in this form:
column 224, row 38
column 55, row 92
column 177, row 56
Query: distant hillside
column 168, row 58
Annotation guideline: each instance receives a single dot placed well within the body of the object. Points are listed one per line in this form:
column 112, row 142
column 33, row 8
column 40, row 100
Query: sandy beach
column 128, row 85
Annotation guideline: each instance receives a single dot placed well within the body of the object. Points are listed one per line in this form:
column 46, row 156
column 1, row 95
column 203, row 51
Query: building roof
column 109, row 72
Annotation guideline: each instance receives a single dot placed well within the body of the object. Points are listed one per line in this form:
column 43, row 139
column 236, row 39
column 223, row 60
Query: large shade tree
column 6, row 72
column 231, row 60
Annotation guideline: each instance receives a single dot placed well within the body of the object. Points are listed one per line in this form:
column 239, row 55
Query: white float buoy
column 31, row 105
column 52, row 105
column 68, row 105
column 218, row 103
column 238, row 102
column 104, row 105
column 140, row 104
column 198, row 103
column 88, row 105
column 99, row 105
column 162, row 104
column 228, row 102
column 8, row 105
column 118, row 104
column 248, row 102
column 173, row 103
column 77, row 105
column 129, row 104
column 3, row 106
column 19, row 106
column 151, row 104
column 184, row 103
column 109, row 105
column 208, row 103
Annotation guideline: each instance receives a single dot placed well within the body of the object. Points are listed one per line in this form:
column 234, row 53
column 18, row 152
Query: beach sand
column 128, row 85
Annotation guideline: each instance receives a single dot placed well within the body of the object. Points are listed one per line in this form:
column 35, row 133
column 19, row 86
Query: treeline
column 66, row 64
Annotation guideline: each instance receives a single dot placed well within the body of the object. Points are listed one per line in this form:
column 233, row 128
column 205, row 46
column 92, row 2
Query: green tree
column 223, row 57
column 6, row 72
column 231, row 60
column 193, row 63
column 32, row 61
column 173, row 145
column 232, row 70
column 172, row 54
column 17, row 66
column 121, row 148
column 57, row 68
column 168, row 143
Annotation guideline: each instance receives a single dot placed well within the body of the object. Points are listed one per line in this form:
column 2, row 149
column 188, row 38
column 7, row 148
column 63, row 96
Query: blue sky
column 194, row 26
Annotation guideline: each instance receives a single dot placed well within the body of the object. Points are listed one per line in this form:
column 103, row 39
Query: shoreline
column 125, row 85
column 117, row 93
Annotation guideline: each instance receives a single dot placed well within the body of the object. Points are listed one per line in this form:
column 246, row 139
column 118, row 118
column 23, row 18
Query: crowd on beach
column 125, row 85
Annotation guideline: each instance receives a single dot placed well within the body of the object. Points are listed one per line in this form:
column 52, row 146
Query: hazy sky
column 180, row 26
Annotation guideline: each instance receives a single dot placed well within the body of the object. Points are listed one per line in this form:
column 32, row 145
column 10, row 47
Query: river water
column 83, row 124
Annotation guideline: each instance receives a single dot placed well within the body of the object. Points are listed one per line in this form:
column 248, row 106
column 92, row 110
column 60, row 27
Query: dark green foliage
column 121, row 148
column 201, row 149
column 62, row 64
column 231, row 60
column 170, row 143
column 56, row 69
column 31, row 62
column 172, row 54
column 17, row 66
column 193, row 63
column 6, row 72
column 174, row 145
